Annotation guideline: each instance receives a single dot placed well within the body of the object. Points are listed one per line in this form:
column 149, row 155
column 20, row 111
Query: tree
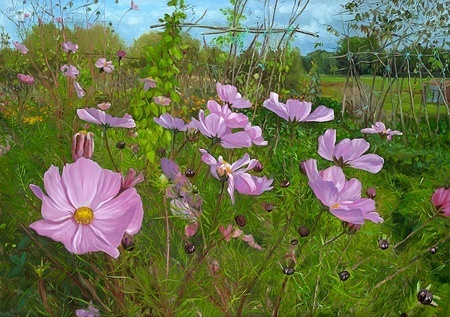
column 358, row 49
column 325, row 62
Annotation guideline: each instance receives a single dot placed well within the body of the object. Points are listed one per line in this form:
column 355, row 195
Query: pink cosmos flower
column 343, row 198
column 104, row 65
column 82, row 145
column 255, row 134
column 229, row 233
column 26, row 79
column 298, row 111
column 84, row 209
column 134, row 6
column 349, row 152
column 69, row 47
column 441, row 200
column 215, row 127
column 148, row 83
column 232, row 119
column 79, row 90
column 161, row 100
column 91, row 311
column 104, row 106
column 169, row 122
column 230, row 95
column 21, row 47
column 101, row 118
column 236, row 175
column 70, row 71
column 380, row 128
column 120, row 54
column 131, row 180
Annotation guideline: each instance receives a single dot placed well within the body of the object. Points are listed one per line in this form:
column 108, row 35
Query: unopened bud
column 371, row 192
column 285, row 183
column 268, row 207
column 302, row 168
column 82, row 145
column 240, row 220
column 120, row 145
column 258, row 167
column 127, row 242
column 350, row 228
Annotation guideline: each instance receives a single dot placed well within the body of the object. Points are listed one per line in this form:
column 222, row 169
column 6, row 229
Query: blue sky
column 317, row 15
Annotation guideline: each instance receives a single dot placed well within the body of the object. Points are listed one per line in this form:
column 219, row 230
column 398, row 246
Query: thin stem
column 334, row 239
column 280, row 295
column 166, row 217
column 412, row 233
column 105, row 139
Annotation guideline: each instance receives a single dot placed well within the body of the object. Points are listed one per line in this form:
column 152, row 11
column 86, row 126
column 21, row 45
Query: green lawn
column 399, row 93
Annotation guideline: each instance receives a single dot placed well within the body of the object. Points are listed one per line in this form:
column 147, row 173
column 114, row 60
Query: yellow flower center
column 335, row 206
column 83, row 215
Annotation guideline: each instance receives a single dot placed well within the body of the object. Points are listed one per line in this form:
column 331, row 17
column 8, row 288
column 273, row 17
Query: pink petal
column 321, row 114
column 326, row 144
column 370, row 162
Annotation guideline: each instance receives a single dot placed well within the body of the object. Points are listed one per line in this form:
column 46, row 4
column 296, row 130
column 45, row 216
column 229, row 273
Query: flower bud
column 433, row 250
column 285, row 183
column 240, row 221
column 190, row 172
column 383, row 244
column 302, row 168
column 350, row 228
column 371, row 192
column 189, row 248
column 127, row 242
column 120, row 145
column 268, row 207
column 425, row 297
column 288, row 271
column 303, row 231
column 344, row 275
column 258, row 167
column 161, row 152
column 82, row 145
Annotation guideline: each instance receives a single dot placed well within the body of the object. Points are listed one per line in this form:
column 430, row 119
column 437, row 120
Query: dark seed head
column 189, row 248
column 240, row 220
column 258, row 167
column 302, row 168
column 404, row 315
column 285, row 183
column 161, row 152
column 288, row 270
column 303, row 231
column 433, row 250
column 294, row 241
column 383, row 244
column 344, row 275
column 268, row 207
column 120, row 145
column 190, row 172
column 425, row 297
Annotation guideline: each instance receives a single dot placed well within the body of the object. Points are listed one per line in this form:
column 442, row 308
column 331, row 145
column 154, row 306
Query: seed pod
column 240, row 220
column 285, row 183
column 268, row 207
column 425, row 297
column 344, row 275
column 190, row 172
column 303, row 231
column 294, row 241
column 288, row 270
column 433, row 250
column 383, row 244
column 120, row 145
column 189, row 248
column 258, row 167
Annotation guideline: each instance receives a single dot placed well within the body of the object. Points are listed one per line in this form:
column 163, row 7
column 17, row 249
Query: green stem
column 105, row 139
column 412, row 233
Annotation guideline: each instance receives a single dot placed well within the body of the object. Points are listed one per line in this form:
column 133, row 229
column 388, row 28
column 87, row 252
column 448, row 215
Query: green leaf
column 15, row 259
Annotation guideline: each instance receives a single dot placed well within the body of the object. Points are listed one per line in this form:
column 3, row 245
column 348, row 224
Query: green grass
column 333, row 86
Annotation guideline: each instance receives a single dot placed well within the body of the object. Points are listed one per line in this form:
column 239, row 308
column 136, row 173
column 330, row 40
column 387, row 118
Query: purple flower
column 21, row 47
column 82, row 145
column 161, row 100
column 441, row 200
column 169, row 122
column 297, row 111
column 380, row 128
column 349, row 152
column 104, row 65
column 230, row 95
column 120, row 54
column 255, row 134
column 343, row 198
column 148, row 83
column 70, row 71
column 134, row 6
column 104, row 106
column 229, row 233
column 232, row 119
column 101, row 118
column 91, row 311
column 26, row 79
column 69, row 47
column 215, row 127
column 85, row 210
column 236, row 175
column 79, row 90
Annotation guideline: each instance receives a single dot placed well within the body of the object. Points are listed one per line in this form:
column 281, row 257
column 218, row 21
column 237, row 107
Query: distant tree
column 360, row 50
column 325, row 62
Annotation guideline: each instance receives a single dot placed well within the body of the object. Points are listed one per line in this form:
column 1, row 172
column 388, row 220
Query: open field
column 334, row 85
